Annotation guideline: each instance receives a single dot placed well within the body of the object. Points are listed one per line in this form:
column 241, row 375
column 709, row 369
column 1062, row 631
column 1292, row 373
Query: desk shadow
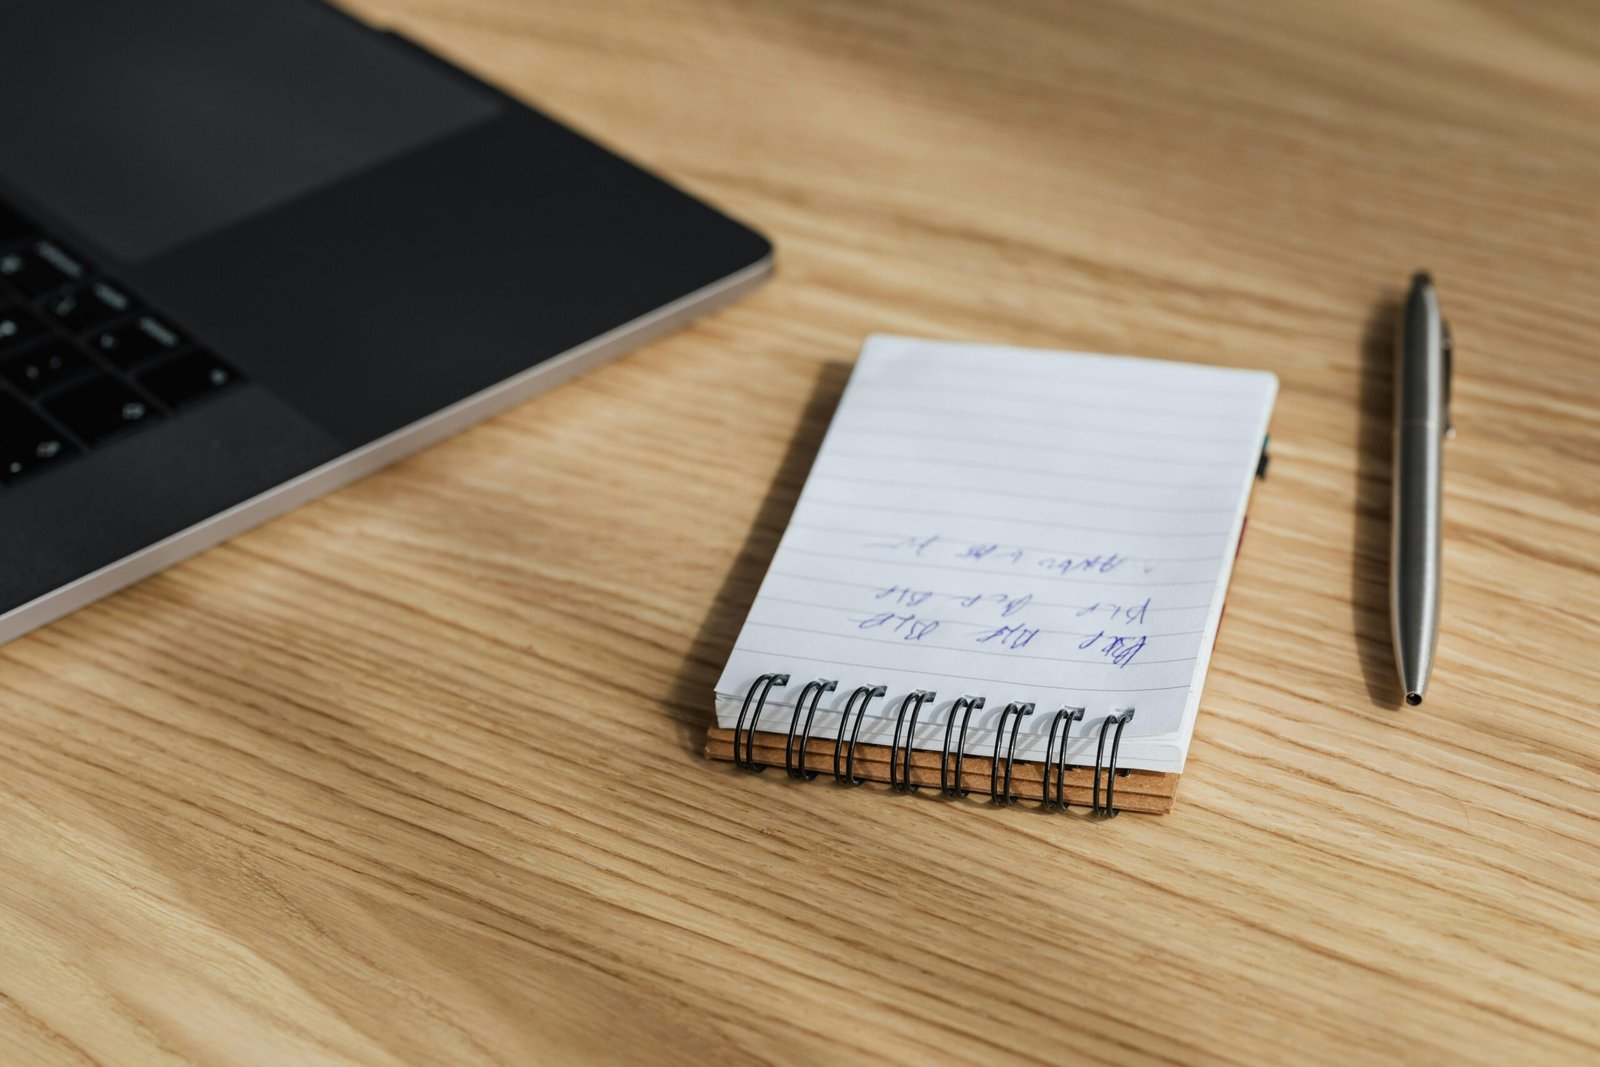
column 1369, row 574
column 691, row 703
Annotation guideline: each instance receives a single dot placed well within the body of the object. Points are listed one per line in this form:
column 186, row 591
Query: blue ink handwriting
column 1133, row 613
column 1009, row 605
column 1096, row 563
column 904, row 596
column 919, row 544
column 1013, row 637
column 1011, row 555
column 1118, row 648
column 909, row 627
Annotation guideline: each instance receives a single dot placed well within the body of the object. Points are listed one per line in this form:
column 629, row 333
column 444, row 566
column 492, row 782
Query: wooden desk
column 413, row 775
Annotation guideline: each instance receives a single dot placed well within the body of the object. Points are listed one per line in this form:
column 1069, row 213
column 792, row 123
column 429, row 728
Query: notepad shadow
column 1369, row 574
column 693, row 692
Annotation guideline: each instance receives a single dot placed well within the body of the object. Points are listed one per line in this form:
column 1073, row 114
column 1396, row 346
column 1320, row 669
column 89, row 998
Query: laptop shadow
column 692, row 699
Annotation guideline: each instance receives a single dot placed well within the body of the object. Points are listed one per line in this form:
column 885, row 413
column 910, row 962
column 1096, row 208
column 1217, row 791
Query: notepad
column 1048, row 531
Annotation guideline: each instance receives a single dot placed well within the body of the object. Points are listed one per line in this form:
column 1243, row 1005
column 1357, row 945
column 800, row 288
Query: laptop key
column 26, row 441
column 100, row 408
column 89, row 308
column 45, row 366
column 134, row 342
column 39, row 267
column 18, row 328
column 184, row 379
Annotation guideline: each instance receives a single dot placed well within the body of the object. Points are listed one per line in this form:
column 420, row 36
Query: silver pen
column 1421, row 423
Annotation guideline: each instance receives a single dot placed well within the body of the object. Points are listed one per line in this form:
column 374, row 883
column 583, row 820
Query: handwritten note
column 1053, row 528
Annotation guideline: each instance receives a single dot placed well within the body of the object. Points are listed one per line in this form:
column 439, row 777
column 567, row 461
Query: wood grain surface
column 413, row 775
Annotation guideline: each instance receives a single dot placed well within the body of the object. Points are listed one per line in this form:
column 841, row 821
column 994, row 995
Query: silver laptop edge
column 377, row 454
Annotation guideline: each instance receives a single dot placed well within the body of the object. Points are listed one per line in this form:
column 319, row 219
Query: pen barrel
column 1422, row 370
column 1414, row 558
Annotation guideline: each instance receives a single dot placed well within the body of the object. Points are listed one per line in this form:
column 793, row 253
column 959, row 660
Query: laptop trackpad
column 144, row 125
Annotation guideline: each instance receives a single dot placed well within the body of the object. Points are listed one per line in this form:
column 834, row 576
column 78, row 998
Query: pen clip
column 1447, row 343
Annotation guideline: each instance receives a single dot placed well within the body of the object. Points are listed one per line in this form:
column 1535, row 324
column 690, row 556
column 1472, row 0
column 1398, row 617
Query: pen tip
column 1421, row 277
column 1413, row 699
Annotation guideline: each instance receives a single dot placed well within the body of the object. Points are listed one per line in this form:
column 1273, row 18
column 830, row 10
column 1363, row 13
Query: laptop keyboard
column 82, row 360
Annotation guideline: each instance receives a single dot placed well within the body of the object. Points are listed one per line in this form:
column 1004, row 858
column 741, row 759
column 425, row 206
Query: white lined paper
column 993, row 550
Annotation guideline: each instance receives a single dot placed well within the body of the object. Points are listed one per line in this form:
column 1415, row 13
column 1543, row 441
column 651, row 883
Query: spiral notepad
column 1005, row 574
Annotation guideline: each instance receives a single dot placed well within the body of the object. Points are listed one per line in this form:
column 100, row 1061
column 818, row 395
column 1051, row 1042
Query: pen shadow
column 1369, row 574
column 693, row 690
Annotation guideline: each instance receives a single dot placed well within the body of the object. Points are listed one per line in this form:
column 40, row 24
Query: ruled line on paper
column 1077, row 381
column 881, row 535
column 1132, row 691
column 1042, row 603
column 1012, row 397
column 879, row 457
column 815, row 501
column 1041, row 497
column 946, row 436
column 974, row 626
column 1087, row 662
column 959, row 416
column 926, row 564
column 856, row 609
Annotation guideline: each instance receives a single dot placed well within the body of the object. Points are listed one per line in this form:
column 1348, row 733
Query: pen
column 1421, row 423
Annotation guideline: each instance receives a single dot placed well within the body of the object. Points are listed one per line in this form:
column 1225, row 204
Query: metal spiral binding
column 765, row 684
column 814, row 690
column 1122, row 719
column 900, row 756
column 1022, row 711
column 972, row 704
column 865, row 694
column 1063, row 720
column 914, row 700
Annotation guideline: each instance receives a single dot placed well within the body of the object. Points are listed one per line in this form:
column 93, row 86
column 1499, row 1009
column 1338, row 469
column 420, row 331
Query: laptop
column 250, row 252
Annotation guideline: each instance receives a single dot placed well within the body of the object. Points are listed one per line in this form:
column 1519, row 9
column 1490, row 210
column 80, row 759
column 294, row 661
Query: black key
column 39, row 267
column 26, row 441
column 99, row 408
column 136, row 341
column 19, row 327
column 186, row 378
column 89, row 308
column 12, row 226
column 45, row 366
